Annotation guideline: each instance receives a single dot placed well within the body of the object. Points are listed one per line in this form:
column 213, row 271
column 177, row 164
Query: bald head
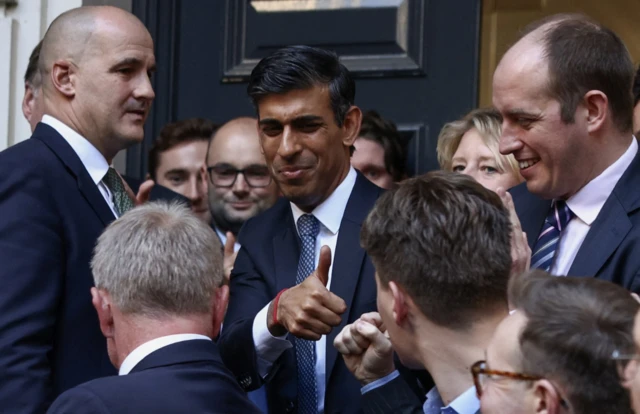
column 577, row 55
column 95, row 65
column 236, row 147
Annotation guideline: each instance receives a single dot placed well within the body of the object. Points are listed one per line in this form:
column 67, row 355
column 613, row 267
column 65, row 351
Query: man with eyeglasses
column 440, row 246
column 240, row 185
column 553, row 355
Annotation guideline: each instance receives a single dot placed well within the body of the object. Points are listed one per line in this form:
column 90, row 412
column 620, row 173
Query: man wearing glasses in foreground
column 441, row 248
column 557, row 352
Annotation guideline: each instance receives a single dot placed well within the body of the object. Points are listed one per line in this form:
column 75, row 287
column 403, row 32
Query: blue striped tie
column 308, row 229
column 547, row 244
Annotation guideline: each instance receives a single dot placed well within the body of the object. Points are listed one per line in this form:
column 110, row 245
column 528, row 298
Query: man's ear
column 220, row 302
column 63, row 78
column 101, row 301
column 351, row 125
column 27, row 102
column 400, row 305
column 546, row 398
column 596, row 104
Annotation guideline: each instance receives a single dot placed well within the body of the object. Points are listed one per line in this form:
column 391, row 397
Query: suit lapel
column 286, row 253
column 612, row 224
column 51, row 138
column 606, row 233
column 349, row 256
column 531, row 210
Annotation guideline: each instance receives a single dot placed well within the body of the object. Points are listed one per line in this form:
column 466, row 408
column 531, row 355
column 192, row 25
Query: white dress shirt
column 93, row 161
column 269, row 347
column 142, row 351
column 586, row 205
column 223, row 239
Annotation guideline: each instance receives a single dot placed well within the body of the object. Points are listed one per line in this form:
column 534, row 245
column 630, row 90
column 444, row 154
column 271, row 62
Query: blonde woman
column 470, row 146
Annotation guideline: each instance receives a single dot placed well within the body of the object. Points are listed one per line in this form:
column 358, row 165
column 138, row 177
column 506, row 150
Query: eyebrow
column 132, row 61
column 481, row 159
column 298, row 120
column 521, row 112
column 176, row 171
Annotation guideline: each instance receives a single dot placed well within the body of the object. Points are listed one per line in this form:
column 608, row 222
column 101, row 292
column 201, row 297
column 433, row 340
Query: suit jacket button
column 290, row 407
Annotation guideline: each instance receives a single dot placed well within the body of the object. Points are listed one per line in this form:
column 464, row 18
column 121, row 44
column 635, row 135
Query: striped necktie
column 121, row 199
column 545, row 249
column 308, row 229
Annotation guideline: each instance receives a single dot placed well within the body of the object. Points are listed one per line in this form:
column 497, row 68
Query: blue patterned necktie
column 308, row 229
column 121, row 199
column 547, row 244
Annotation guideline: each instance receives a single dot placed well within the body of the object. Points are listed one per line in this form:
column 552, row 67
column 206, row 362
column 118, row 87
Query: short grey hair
column 159, row 259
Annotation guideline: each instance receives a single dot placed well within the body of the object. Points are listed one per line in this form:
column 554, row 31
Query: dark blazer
column 51, row 213
column 611, row 249
column 186, row 377
column 267, row 263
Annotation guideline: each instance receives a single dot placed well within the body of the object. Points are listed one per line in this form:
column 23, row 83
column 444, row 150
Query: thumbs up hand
column 308, row 310
column 229, row 255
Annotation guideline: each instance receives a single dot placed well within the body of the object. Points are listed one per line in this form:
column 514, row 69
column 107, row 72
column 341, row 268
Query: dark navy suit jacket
column 611, row 249
column 51, row 213
column 186, row 377
column 267, row 263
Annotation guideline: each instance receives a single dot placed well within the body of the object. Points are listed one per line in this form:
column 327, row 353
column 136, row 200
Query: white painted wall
column 22, row 25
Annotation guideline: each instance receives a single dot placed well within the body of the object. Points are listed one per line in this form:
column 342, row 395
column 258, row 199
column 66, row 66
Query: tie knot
column 559, row 215
column 112, row 179
column 308, row 225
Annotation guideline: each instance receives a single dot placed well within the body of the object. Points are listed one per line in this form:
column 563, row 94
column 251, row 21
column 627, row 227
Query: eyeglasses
column 224, row 175
column 627, row 365
column 481, row 373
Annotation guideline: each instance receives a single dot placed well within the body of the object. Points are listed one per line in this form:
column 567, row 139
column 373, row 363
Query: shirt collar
column 93, row 161
column 142, row 351
column 331, row 211
column 465, row 403
column 587, row 203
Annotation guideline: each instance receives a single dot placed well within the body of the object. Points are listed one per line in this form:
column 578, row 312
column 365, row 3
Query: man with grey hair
column 160, row 298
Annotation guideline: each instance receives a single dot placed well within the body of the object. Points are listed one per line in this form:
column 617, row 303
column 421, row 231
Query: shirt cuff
column 380, row 382
column 268, row 347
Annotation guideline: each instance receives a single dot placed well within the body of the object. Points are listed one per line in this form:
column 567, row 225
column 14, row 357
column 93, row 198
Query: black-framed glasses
column 481, row 373
column 224, row 175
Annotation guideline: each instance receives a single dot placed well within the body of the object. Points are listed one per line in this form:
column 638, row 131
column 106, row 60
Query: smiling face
column 474, row 158
column 306, row 151
column 236, row 146
column 113, row 91
column 553, row 156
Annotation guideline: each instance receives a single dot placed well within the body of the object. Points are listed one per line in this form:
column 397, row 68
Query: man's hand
column 144, row 192
column 229, row 255
column 366, row 349
column 308, row 310
column 520, row 250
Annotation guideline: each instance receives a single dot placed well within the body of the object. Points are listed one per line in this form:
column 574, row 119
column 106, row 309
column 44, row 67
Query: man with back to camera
column 441, row 248
column 58, row 194
column 575, row 147
column 159, row 310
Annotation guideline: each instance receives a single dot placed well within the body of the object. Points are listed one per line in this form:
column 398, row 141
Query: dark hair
column 302, row 67
column 384, row 132
column 446, row 240
column 32, row 75
column 574, row 324
column 636, row 87
column 583, row 55
column 171, row 135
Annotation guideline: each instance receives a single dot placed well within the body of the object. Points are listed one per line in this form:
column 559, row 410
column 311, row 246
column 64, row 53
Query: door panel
column 415, row 61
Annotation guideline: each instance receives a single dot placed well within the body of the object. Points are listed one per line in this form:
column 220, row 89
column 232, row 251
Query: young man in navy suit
column 160, row 297
column 564, row 91
column 301, row 274
column 58, row 193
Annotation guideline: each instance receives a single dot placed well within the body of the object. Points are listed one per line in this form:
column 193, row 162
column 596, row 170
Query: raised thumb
column 324, row 264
